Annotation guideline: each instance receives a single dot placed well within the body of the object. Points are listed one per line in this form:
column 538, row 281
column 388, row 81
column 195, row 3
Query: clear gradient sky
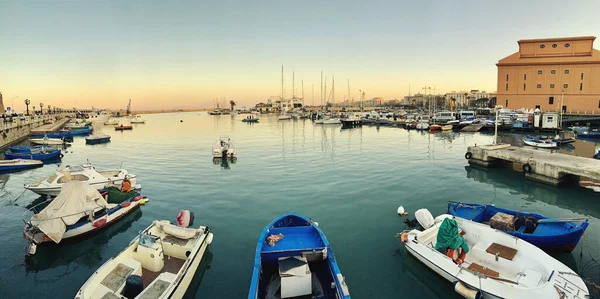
column 183, row 54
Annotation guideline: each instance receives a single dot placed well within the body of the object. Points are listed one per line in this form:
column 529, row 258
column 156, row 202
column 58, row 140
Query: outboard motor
column 133, row 286
column 185, row 218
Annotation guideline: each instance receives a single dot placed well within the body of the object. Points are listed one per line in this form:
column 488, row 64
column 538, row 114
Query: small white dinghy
column 47, row 141
column 224, row 148
column 159, row 263
column 497, row 265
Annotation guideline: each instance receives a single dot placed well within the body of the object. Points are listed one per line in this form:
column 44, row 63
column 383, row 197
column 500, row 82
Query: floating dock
column 547, row 167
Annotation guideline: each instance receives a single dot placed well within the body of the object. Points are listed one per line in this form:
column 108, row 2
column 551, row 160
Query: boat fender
column 142, row 202
column 457, row 257
column 100, row 223
column 125, row 204
column 137, row 198
column 61, row 155
column 404, row 237
column 209, row 238
column 527, row 168
column 466, row 291
column 401, row 211
column 468, row 155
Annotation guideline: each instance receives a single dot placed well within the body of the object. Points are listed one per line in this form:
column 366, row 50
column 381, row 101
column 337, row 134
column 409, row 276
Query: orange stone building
column 551, row 73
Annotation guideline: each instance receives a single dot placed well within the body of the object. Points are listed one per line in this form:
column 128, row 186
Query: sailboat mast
column 313, row 95
column 333, row 90
column 282, row 82
column 321, row 89
column 293, row 85
column 348, row 90
column 302, row 92
column 325, row 93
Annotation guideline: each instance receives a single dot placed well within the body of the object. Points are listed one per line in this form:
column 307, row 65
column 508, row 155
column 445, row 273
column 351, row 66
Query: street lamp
column 42, row 108
column 34, row 110
column 562, row 96
column 27, row 102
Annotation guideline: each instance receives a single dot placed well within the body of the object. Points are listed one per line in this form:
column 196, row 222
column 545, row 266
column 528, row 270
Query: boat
column 79, row 209
column 435, row 128
column 48, row 141
column 596, row 153
column 492, row 264
column 332, row 121
column 294, row 259
column 590, row 135
column 539, row 230
column 447, row 128
column 77, row 124
column 559, row 140
column 137, row 119
column 250, row 119
column 60, row 134
column 284, row 117
column 40, row 155
column 160, row 262
column 81, row 131
column 97, row 139
column 422, row 126
column 111, row 122
column 19, row 164
column 29, row 149
column 123, row 128
column 224, row 147
column 99, row 179
column 539, row 143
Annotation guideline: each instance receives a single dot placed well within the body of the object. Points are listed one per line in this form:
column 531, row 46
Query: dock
column 53, row 127
column 15, row 129
column 551, row 168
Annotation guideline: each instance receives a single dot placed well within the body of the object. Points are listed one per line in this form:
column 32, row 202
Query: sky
column 186, row 54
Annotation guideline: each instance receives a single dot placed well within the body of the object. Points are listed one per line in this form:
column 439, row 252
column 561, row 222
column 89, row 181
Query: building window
column 551, row 85
column 506, row 86
column 554, row 45
column 565, row 85
column 524, row 86
column 581, row 76
column 567, row 72
column 598, row 103
column 524, row 76
column 542, row 46
column 567, row 45
column 550, row 119
column 506, row 77
column 553, row 72
column 506, row 104
column 580, row 86
column 537, row 106
column 539, row 72
column 551, row 100
column 539, row 86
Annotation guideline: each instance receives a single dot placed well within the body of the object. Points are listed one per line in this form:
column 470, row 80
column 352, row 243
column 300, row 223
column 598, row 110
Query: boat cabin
column 444, row 116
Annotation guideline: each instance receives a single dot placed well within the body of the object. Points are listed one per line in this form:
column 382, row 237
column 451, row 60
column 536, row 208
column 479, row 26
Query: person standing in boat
column 126, row 185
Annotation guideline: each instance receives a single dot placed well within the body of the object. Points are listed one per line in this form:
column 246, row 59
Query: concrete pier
column 541, row 166
column 13, row 129
column 53, row 127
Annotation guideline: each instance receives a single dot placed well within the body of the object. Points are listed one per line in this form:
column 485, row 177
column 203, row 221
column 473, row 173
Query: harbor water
column 350, row 181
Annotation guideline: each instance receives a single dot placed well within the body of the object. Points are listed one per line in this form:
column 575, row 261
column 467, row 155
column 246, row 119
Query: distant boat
column 137, row 119
column 29, row 149
column 224, row 148
column 18, row 164
column 293, row 259
column 284, row 117
column 97, row 139
column 591, row 135
column 422, row 126
column 111, row 122
column 123, row 128
column 539, row 230
column 435, row 128
column 41, row 155
column 250, row 119
column 447, row 128
column 60, row 134
column 48, row 141
column 332, row 121
column 539, row 143
column 81, row 131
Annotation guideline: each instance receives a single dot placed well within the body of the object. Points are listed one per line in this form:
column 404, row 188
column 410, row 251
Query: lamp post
column 13, row 103
column 498, row 107
column 27, row 102
column 42, row 108
column 49, row 109
column 33, row 110
column 562, row 96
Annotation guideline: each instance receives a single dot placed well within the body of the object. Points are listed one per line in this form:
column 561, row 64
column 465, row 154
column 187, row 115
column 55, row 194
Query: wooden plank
column 483, row 270
column 503, row 251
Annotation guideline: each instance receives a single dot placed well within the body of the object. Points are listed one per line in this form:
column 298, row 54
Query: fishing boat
column 294, row 259
column 250, row 119
column 137, row 119
column 97, row 139
column 446, row 128
column 82, row 131
column 158, row 263
column 539, row 143
column 60, row 134
column 77, row 124
column 224, row 147
column 489, row 262
column 588, row 134
column 99, row 179
column 18, row 164
column 435, row 128
column 29, row 149
column 123, row 128
column 111, row 122
column 559, row 140
column 40, row 155
column 539, row 230
column 48, row 141
column 79, row 209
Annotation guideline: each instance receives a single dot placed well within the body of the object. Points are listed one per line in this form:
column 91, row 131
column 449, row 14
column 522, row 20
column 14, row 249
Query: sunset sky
column 184, row 54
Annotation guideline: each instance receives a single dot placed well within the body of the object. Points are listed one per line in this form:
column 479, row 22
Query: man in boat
column 126, row 185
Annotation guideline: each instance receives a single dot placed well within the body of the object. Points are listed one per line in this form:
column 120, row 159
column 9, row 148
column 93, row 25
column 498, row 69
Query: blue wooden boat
column 29, row 149
column 539, row 230
column 59, row 134
column 80, row 132
column 591, row 135
column 42, row 155
column 301, row 263
column 97, row 139
column 18, row 164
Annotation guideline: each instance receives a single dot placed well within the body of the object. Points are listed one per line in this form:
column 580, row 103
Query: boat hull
column 100, row 184
column 97, row 140
column 33, row 156
column 51, row 141
column 18, row 164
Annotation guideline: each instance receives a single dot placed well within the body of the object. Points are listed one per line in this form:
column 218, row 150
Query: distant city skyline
column 185, row 54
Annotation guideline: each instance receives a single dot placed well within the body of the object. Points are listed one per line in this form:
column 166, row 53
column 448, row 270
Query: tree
column 482, row 102
column 232, row 104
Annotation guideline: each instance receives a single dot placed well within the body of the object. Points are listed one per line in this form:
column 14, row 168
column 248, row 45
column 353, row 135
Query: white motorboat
column 78, row 209
column 497, row 265
column 137, row 119
column 111, row 122
column 284, row 117
column 332, row 121
column 159, row 263
column 86, row 173
column 539, row 143
column 100, row 116
column 422, row 126
column 47, row 141
column 224, row 147
column 76, row 124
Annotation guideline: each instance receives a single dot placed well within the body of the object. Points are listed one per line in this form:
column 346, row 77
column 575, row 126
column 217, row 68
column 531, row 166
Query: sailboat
column 331, row 120
column 283, row 115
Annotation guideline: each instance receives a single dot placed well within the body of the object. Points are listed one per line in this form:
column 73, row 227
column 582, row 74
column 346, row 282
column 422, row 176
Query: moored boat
column 446, row 128
column 48, row 141
column 79, row 209
column 422, row 126
column 539, row 230
column 29, row 149
column 490, row 263
column 60, row 134
column 250, row 119
column 81, row 131
column 97, row 139
column 137, row 119
column 111, row 122
column 293, row 258
column 224, row 147
column 539, row 143
column 284, row 117
column 18, row 164
column 123, row 128
column 435, row 128
column 40, row 155
column 159, row 263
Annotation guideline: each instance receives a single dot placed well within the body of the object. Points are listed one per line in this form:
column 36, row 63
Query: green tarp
column 448, row 237
column 116, row 196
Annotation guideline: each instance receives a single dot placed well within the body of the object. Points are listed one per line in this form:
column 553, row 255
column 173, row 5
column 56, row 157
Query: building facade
column 551, row 74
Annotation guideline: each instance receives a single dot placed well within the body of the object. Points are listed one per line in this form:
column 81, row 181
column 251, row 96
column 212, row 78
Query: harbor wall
column 14, row 129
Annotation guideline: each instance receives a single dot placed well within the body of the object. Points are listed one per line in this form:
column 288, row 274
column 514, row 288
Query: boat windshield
column 147, row 240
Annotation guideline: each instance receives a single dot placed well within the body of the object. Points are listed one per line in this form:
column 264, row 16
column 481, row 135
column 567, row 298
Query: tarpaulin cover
column 448, row 237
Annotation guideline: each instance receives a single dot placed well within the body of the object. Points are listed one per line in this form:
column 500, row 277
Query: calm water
column 350, row 181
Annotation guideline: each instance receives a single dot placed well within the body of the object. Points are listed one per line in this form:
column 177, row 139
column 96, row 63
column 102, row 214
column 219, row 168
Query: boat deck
column 172, row 265
column 294, row 238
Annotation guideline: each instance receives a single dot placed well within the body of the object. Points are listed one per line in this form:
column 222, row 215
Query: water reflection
column 202, row 269
column 225, row 163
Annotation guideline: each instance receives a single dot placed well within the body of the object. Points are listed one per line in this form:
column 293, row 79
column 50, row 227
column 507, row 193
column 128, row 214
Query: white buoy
column 401, row 211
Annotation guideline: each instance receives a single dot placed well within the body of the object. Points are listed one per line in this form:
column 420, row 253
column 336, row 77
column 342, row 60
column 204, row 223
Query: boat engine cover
column 133, row 286
column 424, row 218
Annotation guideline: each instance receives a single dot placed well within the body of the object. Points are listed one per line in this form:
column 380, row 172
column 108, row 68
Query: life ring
column 468, row 155
column 527, row 168
column 460, row 255
column 61, row 155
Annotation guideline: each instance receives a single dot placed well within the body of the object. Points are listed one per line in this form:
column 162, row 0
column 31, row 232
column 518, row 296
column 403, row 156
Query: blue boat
column 293, row 259
column 30, row 149
column 97, row 139
column 42, row 155
column 59, row 134
column 539, row 230
column 18, row 164
column 82, row 131
column 591, row 135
